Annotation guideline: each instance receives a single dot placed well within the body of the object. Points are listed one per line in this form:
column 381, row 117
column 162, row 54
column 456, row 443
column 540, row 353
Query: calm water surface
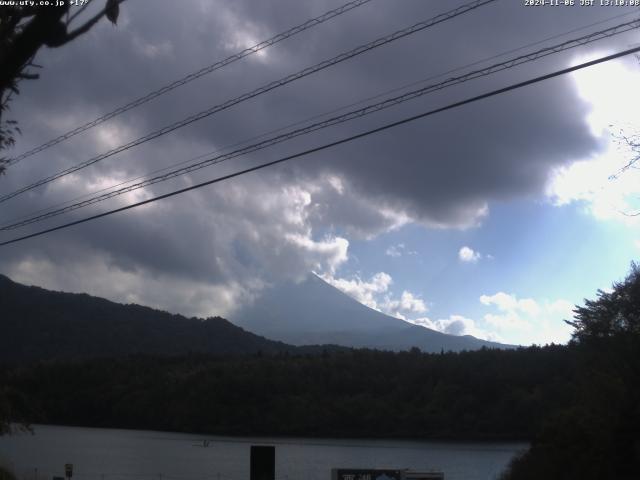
column 109, row 454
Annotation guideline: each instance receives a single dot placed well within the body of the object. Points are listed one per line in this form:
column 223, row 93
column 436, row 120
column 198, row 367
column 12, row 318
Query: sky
column 493, row 219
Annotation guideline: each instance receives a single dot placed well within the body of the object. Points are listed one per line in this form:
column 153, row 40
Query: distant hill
column 314, row 312
column 39, row 324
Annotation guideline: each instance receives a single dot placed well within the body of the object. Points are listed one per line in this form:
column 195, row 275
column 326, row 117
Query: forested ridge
column 38, row 324
column 488, row 394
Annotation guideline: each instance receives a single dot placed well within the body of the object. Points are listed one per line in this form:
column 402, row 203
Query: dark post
column 263, row 462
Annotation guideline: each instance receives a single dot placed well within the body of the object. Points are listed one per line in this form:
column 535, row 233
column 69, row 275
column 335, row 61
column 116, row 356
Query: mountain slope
column 314, row 312
column 39, row 324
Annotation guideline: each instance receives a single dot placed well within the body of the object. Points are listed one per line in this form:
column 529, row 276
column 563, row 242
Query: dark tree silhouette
column 598, row 435
column 612, row 313
column 23, row 31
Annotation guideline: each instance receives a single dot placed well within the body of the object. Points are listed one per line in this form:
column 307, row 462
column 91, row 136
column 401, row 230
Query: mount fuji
column 313, row 312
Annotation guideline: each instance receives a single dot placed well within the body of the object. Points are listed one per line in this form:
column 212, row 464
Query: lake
column 111, row 454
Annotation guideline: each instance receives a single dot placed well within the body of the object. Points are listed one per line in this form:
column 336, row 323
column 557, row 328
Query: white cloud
column 240, row 33
column 609, row 105
column 110, row 136
column 526, row 320
column 374, row 293
column 399, row 250
column 152, row 50
column 337, row 183
column 457, row 325
column 588, row 180
column 331, row 251
column 407, row 303
column 363, row 291
column 468, row 255
column 395, row 250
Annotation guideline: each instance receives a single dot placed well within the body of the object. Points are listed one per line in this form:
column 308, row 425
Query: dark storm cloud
column 438, row 168
column 443, row 171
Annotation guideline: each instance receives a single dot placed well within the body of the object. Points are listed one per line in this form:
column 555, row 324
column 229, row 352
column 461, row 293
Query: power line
column 9, row 223
column 195, row 75
column 259, row 91
column 351, row 138
column 384, row 104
